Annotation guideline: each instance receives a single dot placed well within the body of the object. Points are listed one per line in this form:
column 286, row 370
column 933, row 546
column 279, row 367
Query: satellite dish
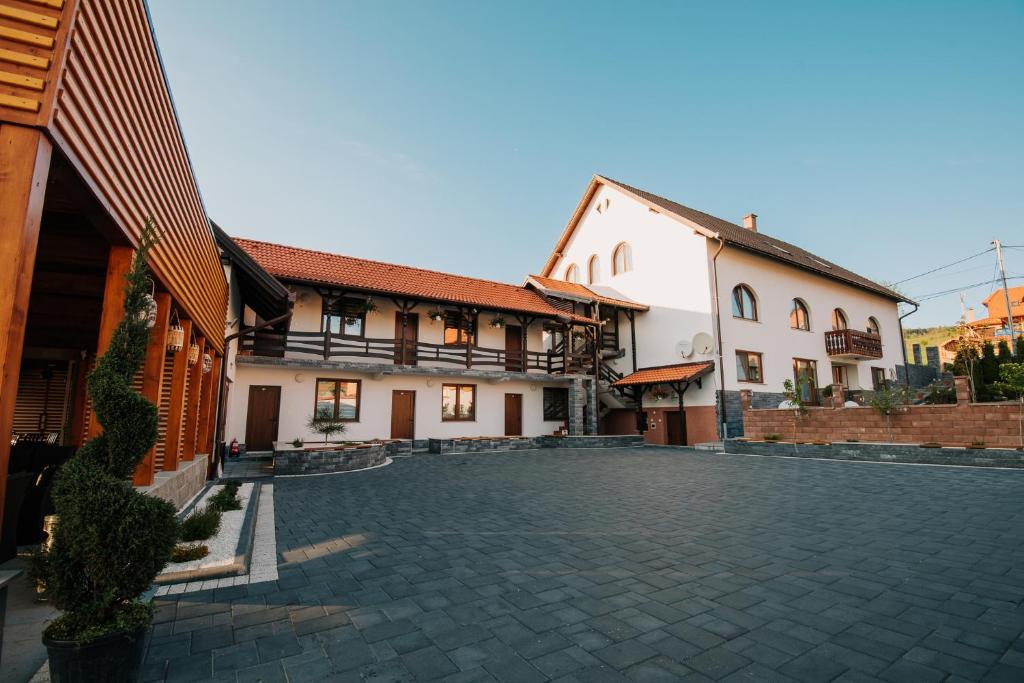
column 703, row 343
column 684, row 348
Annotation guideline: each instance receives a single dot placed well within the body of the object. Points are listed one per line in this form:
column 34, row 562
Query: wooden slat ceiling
column 99, row 90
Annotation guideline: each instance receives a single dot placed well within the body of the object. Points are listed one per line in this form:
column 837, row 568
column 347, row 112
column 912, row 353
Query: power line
column 948, row 265
column 935, row 295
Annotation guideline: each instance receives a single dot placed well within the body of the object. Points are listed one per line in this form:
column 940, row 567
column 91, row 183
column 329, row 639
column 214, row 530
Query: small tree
column 968, row 344
column 328, row 426
column 794, row 395
column 1018, row 354
column 1011, row 377
column 111, row 540
column 887, row 401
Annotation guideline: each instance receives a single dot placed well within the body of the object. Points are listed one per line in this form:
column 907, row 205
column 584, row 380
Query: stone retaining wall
column 180, row 486
column 513, row 443
column 881, row 452
column 318, row 462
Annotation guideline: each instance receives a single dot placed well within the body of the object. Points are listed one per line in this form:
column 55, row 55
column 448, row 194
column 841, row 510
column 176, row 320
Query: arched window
column 744, row 305
column 572, row 273
column 622, row 259
column 799, row 317
column 873, row 327
column 838, row 319
column 593, row 270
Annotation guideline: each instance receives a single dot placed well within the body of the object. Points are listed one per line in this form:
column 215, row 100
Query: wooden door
column 676, row 428
column 406, row 354
column 513, row 414
column 262, row 418
column 514, row 348
column 403, row 414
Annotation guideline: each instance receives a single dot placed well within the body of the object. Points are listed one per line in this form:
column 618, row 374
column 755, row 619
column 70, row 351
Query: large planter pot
column 110, row 658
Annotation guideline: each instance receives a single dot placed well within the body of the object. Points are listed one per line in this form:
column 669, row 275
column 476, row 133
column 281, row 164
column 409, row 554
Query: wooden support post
column 680, row 389
column 566, row 346
column 24, row 168
column 176, row 404
column 213, row 380
column 195, row 389
column 205, row 407
column 80, row 402
column 119, row 262
column 153, row 378
column 631, row 314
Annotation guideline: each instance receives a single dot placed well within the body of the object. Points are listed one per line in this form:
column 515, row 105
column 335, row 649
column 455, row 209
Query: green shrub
column 111, row 540
column 226, row 499
column 187, row 553
column 200, row 525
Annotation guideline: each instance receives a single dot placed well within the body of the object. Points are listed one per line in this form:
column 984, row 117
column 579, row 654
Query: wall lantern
column 175, row 338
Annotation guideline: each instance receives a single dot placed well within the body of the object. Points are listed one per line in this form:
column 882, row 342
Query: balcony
column 852, row 344
column 390, row 351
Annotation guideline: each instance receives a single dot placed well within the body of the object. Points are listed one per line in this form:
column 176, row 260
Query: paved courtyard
column 629, row 565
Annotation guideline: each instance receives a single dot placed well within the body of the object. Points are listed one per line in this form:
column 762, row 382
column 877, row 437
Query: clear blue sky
column 886, row 136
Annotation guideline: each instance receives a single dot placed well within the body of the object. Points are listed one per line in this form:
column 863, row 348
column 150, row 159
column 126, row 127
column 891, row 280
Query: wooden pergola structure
column 677, row 377
column 90, row 147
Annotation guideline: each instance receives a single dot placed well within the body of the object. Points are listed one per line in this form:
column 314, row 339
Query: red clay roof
column 683, row 372
column 318, row 267
column 583, row 292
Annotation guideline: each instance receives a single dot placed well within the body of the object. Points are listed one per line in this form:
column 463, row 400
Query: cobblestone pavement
column 633, row 564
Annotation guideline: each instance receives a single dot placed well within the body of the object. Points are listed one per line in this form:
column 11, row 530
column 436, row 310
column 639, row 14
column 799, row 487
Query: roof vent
column 750, row 222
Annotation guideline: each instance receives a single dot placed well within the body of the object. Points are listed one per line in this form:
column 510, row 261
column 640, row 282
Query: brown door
column 513, row 348
column 513, row 414
column 262, row 417
column 406, row 355
column 403, row 414
column 676, row 428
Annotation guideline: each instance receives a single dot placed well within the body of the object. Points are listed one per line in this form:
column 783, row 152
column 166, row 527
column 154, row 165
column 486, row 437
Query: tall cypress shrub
column 111, row 540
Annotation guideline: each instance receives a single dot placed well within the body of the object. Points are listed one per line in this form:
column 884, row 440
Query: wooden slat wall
column 32, row 35
column 165, row 399
column 106, row 104
column 32, row 401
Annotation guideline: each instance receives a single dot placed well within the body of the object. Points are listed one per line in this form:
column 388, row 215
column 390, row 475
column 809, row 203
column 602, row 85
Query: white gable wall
column 670, row 274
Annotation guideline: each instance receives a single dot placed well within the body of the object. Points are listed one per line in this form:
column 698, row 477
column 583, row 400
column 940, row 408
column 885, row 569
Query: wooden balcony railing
column 330, row 346
column 853, row 343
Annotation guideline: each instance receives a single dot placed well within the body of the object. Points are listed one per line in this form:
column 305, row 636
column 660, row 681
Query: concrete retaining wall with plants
column 299, row 461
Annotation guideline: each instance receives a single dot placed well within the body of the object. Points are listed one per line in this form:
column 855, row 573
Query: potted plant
column 111, row 540
column 368, row 307
column 328, row 426
column 436, row 315
column 498, row 322
column 659, row 394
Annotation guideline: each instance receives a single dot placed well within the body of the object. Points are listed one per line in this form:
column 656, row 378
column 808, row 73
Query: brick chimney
column 750, row 221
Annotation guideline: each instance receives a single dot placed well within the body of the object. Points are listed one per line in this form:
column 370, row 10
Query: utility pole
column 1006, row 291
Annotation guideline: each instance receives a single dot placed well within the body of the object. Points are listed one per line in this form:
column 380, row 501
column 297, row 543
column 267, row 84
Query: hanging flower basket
column 369, row 307
column 193, row 353
column 436, row 315
column 175, row 338
column 498, row 322
column 659, row 394
column 207, row 363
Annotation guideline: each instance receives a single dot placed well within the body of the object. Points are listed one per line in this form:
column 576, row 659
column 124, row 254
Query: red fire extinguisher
column 233, row 448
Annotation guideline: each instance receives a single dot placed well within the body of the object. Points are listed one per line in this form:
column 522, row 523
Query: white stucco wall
column 298, row 387
column 775, row 285
column 670, row 274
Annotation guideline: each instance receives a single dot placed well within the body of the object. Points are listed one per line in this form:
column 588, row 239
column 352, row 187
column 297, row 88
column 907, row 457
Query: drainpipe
column 903, row 344
column 718, row 330
column 218, row 431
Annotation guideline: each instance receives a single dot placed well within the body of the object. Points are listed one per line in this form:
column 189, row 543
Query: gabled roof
column 361, row 275
column 573, row 290
column 260, row 290
column 665, row 374
column 732, row 234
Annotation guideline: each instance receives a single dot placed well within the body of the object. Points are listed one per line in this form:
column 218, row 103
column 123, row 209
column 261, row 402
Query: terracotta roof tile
column 578, row 291
column 682, row 372
column 318, row 267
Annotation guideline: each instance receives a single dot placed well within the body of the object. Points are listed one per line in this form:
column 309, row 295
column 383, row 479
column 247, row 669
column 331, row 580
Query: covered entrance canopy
column 678, row 377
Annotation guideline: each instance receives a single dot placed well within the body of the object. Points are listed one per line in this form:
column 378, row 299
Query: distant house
column 741, row 308
column 994, row 327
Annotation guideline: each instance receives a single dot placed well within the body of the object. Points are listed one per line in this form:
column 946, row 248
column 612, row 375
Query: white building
column 400, row 353
column 760, row 309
